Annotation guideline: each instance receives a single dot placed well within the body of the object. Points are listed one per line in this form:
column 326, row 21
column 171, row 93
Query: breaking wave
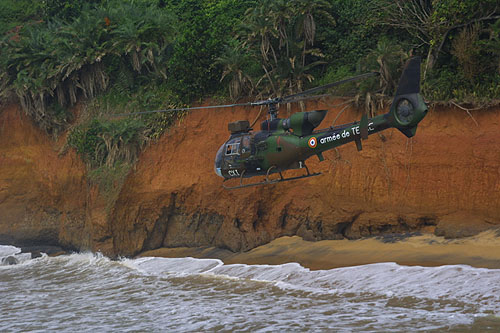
column 88, row 291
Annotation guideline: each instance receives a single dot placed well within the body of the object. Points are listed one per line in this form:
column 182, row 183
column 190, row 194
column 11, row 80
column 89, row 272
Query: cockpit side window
column 232, row 149
column 245, row 144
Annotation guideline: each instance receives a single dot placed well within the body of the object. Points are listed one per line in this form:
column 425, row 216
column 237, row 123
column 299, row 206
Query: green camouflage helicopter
column 284, row 144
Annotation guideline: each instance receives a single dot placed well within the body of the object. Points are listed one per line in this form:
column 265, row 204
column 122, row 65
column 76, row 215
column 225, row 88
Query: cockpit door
column 245, row 146
column 232, row 153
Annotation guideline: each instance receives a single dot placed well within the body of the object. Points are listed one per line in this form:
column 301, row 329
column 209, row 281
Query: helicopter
column 285, row 144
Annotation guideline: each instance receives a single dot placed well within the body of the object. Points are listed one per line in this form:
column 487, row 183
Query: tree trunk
column 429, row 63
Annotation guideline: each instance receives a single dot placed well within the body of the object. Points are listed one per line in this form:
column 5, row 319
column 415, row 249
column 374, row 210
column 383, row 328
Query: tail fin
column 409, row 83
column 408, row 107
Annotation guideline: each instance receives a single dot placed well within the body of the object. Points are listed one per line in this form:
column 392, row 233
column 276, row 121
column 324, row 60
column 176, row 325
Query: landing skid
column 268, row 181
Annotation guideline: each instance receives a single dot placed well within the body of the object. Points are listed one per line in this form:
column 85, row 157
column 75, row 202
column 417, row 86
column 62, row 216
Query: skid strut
column 268, row 181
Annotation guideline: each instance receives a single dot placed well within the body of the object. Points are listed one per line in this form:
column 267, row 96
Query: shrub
column 106, row 142
column 59, row 61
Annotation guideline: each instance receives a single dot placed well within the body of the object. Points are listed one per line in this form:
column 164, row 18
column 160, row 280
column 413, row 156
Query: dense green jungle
column 71, row 64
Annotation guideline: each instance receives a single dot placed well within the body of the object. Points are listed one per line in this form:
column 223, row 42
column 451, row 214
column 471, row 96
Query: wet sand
column 482, row 250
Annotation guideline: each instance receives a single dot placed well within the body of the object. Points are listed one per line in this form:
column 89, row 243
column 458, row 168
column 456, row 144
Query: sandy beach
column 482, row 250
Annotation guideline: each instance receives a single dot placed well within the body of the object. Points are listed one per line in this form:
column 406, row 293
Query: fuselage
column 251, row 154
column 281, row 145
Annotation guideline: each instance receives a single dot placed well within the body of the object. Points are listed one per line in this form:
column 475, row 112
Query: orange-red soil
column 446, row 180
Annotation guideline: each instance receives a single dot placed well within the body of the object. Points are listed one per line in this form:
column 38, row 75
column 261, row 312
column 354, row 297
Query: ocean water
column 87, row 292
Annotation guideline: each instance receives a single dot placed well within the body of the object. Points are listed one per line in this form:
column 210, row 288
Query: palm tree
column 306, row 11
column 258, row 29
column 233, row 60
column 283, row 31
column 389, row 57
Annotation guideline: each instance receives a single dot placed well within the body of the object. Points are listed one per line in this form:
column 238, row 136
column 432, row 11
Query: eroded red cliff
column 42, row 194
column 445, row 180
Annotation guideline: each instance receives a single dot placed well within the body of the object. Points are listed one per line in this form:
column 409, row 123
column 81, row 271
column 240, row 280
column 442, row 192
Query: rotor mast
column 272, row 102
column 273, row 111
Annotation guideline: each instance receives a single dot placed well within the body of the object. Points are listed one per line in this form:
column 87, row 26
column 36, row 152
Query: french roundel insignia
column 312, row 142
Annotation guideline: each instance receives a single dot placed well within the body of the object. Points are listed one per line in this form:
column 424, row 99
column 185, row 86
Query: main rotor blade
column 182, row 109
column 326, row 86
column 287, row 99
column 304, row 98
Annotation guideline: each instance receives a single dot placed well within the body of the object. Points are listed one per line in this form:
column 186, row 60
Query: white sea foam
column 172, row 266
column 452, row 282
column 161, row 294
column 11, row 255
column 7, row 250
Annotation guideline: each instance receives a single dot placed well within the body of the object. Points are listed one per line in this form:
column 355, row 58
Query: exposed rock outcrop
column 42, row 194
column 444, row 180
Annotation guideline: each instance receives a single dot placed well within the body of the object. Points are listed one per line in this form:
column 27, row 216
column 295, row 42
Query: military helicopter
column 284, row 144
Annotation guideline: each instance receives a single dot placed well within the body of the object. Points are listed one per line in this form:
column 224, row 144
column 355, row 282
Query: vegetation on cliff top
column 136, row 55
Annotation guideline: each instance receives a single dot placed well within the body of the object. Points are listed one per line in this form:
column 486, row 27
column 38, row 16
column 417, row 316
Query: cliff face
column 42, row 194
column 445, row 180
